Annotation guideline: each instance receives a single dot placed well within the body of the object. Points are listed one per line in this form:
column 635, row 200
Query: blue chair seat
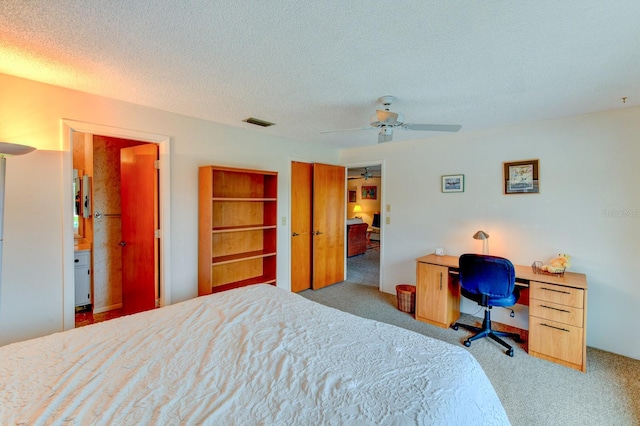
column 489, row 281
column 508, row 300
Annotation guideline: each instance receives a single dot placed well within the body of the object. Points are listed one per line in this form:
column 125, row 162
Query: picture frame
column 453, row 183
column 369, row 193
column 521, row 177
column 352, row 196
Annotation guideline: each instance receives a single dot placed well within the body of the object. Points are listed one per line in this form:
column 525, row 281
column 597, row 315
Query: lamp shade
column 357, row 208
column 480, row 235
column 7, row 149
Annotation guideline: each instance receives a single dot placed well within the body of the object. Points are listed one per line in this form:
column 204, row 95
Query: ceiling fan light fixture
column 386, row 120
column 386, row 134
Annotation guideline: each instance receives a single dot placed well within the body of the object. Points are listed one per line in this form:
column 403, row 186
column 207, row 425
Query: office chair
column 489, row 281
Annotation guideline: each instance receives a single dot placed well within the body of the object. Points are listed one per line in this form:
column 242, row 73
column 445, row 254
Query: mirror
column 78, row 223
column 86, row 196
column 82, row 202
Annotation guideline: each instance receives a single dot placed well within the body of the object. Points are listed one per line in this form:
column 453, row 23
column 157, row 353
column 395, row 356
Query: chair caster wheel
column 466, row 343
column 455, row 326
column 510, row 352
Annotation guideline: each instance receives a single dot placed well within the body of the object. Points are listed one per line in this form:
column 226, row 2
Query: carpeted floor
column 533, row 391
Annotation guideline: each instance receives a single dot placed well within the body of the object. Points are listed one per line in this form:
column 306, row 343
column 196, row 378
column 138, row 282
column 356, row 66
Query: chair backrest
column 487, row 275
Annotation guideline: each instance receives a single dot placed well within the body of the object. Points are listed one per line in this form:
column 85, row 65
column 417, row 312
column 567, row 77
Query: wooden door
column 139, row 204
column 328, row 225
column 301, row 225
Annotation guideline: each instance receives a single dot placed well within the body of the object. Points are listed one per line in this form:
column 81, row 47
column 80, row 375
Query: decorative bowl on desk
column 538, row 268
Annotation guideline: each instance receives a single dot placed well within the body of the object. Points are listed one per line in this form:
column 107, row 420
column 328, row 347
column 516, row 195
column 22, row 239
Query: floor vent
column 258, row 122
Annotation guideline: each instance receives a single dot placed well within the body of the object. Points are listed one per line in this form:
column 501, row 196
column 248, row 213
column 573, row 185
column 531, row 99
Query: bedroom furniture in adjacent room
column 356, row 238
column 252, row 355
column 557, row 311
column 375, row 227
column 489, row 281
column 82, row 277
column 237, row 212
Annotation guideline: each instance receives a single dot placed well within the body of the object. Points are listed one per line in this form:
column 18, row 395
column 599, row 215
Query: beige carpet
column 533, row 391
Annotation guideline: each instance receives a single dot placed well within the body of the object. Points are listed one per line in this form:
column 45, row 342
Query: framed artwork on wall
column 453, row 183
column 369, row 193
column 352, row 196
column 521, row 177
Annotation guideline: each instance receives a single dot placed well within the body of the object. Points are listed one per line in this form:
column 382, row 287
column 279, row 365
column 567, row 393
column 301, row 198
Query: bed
column 253, row 355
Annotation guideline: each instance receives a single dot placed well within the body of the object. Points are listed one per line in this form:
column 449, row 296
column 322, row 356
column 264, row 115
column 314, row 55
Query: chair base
column 486, row 331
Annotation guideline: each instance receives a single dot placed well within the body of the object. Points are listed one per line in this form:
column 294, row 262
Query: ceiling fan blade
column 348, row 130
column 385, row 135
column 433, row 127
column 386, row 117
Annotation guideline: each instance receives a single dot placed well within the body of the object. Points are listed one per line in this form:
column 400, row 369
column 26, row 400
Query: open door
column 328, row 225
column 139, row 203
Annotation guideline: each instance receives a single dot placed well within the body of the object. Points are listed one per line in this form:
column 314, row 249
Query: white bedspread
column 254, row 355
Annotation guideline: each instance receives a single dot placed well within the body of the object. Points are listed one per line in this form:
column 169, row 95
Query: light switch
column 387, row 220
column 284, row 220
column 388, row 208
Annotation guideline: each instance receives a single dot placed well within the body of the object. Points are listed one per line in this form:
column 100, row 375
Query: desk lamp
column 481, row 235
column 7, row 150
column 357, row 209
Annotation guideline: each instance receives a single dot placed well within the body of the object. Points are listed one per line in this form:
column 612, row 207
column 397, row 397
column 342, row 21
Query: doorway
column 162, row 234
column 122, row 219
column 364, row 205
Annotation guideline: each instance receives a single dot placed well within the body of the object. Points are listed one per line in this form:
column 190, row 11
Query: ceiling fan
column 386, row 120
column 365, row 175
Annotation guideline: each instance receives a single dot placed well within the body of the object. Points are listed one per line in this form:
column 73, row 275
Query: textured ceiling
column 320, row 65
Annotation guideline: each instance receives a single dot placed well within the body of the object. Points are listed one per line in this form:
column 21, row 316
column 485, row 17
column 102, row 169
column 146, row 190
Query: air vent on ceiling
column 258, row 122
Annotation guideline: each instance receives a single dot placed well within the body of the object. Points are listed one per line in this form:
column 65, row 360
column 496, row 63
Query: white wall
column 33, row 272
column 588, row 206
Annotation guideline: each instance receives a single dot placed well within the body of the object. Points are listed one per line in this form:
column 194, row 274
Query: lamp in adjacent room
column 481, row 235
column 7, row 150
column 357, row 209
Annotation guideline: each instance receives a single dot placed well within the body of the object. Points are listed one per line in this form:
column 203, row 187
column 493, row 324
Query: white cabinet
column 82, row 265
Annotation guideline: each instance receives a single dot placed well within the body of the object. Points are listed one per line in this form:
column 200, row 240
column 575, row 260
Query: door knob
column 123, row 243
column 318, row 233
column 294, row 234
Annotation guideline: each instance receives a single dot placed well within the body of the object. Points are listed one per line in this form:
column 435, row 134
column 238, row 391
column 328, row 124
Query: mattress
column 253, row 355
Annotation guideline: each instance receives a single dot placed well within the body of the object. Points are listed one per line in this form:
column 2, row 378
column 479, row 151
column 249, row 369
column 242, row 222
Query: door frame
column 68, row 127
column 383, row 213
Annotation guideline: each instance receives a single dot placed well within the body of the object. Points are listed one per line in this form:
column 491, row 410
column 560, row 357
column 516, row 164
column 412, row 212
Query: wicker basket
column 536, row 267
column 406, row 297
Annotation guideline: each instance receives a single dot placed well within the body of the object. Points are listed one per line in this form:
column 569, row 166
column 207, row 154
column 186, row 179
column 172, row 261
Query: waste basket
column 406, row 294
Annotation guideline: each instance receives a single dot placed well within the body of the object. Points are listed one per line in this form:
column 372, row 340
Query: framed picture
column 521, row 177
column 352, row 196
column 453, row 183
column 369, row 193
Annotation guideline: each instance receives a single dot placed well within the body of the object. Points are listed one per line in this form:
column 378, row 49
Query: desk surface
column 570, row 279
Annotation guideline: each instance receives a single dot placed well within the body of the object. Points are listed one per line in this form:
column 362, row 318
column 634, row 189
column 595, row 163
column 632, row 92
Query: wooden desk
column 557, row 307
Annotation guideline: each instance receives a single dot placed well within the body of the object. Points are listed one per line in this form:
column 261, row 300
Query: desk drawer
column 567, row 296
column 556, row 340
column 555, row 312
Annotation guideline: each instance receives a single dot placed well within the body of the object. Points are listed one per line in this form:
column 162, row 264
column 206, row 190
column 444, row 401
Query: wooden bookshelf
column 237, row 228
